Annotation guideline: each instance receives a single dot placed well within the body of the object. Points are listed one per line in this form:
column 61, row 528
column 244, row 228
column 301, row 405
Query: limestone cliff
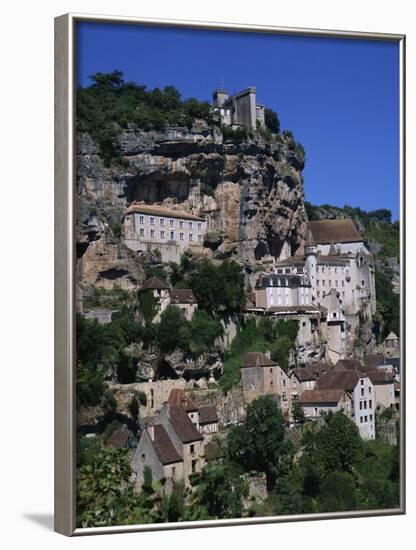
column 251, row 190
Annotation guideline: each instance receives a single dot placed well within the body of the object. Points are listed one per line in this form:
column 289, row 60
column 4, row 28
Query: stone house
column 282, row 290
column 382, row 380
column 304, row 378
column 316, row 402
column 240, row 109
column 156, row 450
column 183, row 298
column 171, row 232
column 185, row 437
column 360, row 390
column 262, row 376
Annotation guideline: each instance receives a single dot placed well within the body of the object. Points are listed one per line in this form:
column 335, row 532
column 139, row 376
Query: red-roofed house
column 316, row 402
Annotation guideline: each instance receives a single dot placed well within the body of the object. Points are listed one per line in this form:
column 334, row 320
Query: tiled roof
column 321, row 396
column 183, row 425
column 156, row 210
column 334, row 231
column 154, row 284
column 392, row 336
column 207, row 414
column 338, row 379
column 310, row 372
column 374, row 360
column 380, row 377
column 257, row 359
column 118, row 438
column 178, row 398
column 182, row 296
column 349, row 364
column 163, row 446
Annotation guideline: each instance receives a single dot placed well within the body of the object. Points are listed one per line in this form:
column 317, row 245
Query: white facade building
column 169, row 231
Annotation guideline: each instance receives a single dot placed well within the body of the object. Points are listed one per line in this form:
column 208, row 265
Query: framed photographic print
column 229, row 218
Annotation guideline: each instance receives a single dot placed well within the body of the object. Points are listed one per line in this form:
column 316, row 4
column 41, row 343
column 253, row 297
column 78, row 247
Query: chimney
column 151, row 432
column 267, row 354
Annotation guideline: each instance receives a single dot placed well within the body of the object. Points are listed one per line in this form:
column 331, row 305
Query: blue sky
column 340, row 97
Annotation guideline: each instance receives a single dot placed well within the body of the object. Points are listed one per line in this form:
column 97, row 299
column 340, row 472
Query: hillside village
column 211, row 300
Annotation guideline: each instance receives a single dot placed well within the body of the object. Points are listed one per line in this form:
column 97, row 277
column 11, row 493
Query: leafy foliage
column 271, row 120
column 221, row 490
column 257, row 444
column 110, row 104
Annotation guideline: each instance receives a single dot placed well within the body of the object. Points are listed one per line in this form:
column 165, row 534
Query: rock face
column 250, row 191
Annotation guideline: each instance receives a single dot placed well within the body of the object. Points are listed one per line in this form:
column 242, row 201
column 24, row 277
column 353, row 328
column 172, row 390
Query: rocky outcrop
column 251, row 192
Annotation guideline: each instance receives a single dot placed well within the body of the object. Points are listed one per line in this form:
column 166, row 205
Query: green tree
column 147, row 305
column 204, row 331
column 221, row 491
column 106, row 495
column 338, row 493
column 173, row 330
column 337, row 445
column 258, row 444
column 298, row 414
column 271, row 120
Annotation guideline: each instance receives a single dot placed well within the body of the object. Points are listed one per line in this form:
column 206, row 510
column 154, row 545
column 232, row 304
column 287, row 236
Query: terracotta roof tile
column 156, row 210
column 337, row 379
column 183, row 426
column 334, row 231
column 257, row 359
column 182, row 296
column 163, row 446
column 374, row 360
column 154, row 284
column 207, row 414
column 321, row 396
column 178, row 398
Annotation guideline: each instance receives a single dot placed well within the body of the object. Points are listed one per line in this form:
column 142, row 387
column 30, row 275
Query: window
column 199, row 226
column 152, row 220
column 365, row 418
column 335, row 269
column 330, row 282
column 181, row 236
column 323, row 282
column 280, row 271
column 162, row 221
column 361, row 405
column 370, row 403
column 362, row 391
column 190, row 225
column 152, row 232
column 193, row 466
column 172, row 235
column 190, row 237
column 317, row 282
column 173, row 471
column 192, row 449
column 162, row 234
column 181, row 224
column 284, row 383
column 362, row 283
column 141, row 232
column 369, row 389
column 342, row 282
column 287, row 270
column 171, row 223
column 141, row 219
column 371, row 417
column 143, row 457
column 362, row 382
column 336, row 282
column 361, row 419
column 200, row 238
column 365, row 404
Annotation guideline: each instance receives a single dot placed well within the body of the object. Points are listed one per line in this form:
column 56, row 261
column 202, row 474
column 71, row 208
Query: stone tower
column 311, row 251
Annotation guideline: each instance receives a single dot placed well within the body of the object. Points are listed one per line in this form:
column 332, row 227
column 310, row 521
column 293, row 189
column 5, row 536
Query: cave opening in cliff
column 157, row 188
column 165, row 371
